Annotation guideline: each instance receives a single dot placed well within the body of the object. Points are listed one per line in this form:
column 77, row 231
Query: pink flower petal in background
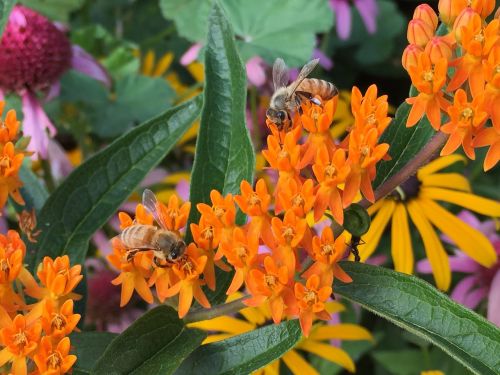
column 191, row 54
column 494, row 300
column 86, row 64
column 154, row 177
column 342, row 16
column 368, row 10
column 60, row 165
column 102, row 243
column 463, row 288
column 182, row 190
column 256, row 71
column 324, row 60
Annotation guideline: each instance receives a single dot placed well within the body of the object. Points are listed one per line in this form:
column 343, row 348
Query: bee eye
column 282, row 115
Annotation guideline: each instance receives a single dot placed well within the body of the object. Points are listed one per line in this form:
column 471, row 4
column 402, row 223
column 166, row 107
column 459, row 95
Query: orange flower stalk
column 52, row 360
column 466, row 119
column 429, row 79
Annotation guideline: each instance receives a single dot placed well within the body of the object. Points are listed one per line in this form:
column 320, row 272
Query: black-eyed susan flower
column 414, row 203
column 317, row 343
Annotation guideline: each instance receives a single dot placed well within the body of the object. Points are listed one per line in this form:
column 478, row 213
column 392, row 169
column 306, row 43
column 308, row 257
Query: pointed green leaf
column 415, row 305
column 156, row 343
column 5, row 8
column 89, row 346
column 244, row 353
column 224, row 153
column 94, row 191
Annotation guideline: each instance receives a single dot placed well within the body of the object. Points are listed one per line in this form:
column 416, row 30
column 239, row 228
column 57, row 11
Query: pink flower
column 256, row 71
column 481, row 283
column 368, row 9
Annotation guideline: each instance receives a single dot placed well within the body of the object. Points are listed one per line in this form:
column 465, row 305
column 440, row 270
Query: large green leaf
column 418, row 307
column 244, row 353
column 93, row 192
column 89, row 346
column 33, row 191
column 404, row 143
column 266, row 28
column 57, row 10
column 5, row 8
column 156, row 343
column 224, row 153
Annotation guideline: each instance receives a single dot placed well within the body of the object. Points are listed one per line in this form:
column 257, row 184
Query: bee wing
column 280, row 74
column 150, row 202
column 305, row 71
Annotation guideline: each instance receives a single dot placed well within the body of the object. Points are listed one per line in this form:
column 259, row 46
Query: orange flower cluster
column 11, row 158
column 34, row 338
column 472, row 49
column 269, row 253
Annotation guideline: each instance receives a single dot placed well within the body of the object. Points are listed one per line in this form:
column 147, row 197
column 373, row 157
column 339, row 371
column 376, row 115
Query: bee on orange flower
column 167, row 246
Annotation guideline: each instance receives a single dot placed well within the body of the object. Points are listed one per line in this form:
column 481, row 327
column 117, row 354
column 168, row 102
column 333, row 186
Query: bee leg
column 157, row 262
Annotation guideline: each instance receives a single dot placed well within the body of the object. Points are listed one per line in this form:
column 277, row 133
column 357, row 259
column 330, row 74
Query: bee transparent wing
column 280, row 74
column 150, row 202
column 305, row 71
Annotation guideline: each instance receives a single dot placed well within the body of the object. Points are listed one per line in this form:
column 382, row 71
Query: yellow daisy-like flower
column 416, row 201
column 432, row 372
column 317, row 342
column 343, row 116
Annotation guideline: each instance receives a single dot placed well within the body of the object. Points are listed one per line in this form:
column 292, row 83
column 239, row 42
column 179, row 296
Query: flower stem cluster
column 471, row 48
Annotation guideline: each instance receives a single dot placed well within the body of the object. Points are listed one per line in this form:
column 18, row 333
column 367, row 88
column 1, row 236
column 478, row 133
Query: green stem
column 47, row 175
column 219, row 310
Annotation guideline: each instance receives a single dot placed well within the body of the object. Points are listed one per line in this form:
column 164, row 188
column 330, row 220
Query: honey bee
column 287, row 98
column 167, row 246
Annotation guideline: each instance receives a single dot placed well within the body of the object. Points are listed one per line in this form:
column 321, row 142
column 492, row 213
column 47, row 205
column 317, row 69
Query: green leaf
column 419, row 308
column 5, row 8
column 401, row 362
column 94, row 191
column 88, row 347
column 224, row 154
column 265, row 28
column 33, row 191
column 244, row 353
column 404, row 143
column 57, row 10
column 156, row 343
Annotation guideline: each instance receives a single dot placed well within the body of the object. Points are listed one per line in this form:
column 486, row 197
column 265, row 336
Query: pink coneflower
column 368, row 9
column 480, row 283
column 34, row 53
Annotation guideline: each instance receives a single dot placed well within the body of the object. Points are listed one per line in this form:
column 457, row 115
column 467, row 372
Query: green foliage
column 34, row 192
column 156, row 343
column 57, row 10
column 93, row 192
column 416, row 306
column 356, row 220
column 89, row 346
column 244, row 353
column 265, row 28
column 5, row 8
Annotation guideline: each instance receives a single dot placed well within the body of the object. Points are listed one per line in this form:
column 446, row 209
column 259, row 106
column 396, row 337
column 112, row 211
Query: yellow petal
column 468, row 239
column 197, row 71
column 401, row 248
column 225, row 324
column 438, row 164
column 271, row 369
column 175, row 178
column 5, row 356
column 297, row 364
column 334, row 307
column 343, row 331
column 254, row 316
column 433, row 247
column 148, row 62
column 447, row 180
column 215, row 338
column 484, row 206
column 375, row 207
column 372, row 237
column 330, row 353
column 163, row 64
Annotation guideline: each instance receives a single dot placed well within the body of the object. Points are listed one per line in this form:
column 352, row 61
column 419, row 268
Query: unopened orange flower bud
column 483, row 7
column 425, row 13
column 464, row 18
column 450, row 9
column 419, row 32
column 410, row 55
column 437, row 48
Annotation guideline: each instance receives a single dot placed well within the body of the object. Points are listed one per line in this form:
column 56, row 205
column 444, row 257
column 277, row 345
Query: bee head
column 177, row 250
column 276, row 116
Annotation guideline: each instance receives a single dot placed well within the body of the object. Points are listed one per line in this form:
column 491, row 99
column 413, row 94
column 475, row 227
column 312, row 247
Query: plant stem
column 224, row 309
column 410, row 168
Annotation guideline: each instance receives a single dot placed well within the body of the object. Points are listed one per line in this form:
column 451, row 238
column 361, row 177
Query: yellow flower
column 343, row 116
column 432, row 372
column 317, row 343
column 415, row 201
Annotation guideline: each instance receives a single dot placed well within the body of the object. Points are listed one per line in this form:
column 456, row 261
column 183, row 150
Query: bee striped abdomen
column 138, row 236
column 326, row 90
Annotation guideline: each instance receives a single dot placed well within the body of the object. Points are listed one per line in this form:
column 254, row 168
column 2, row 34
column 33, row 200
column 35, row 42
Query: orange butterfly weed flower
column 410, row 55
column 241, row 253
column 52, row 360
column 429, row 79
column 142, row 216
column 10, row 162
column 327, row 251
column 59, row 322
column 207, row 237
column 173, row 216
column 489, row 137
column 450, row 9
column 419, row 32
column 20, row 341
column 311, row 300
column 269, row 284
column 438, row 48
column 491, row 67
column 370, row 110
column 330, row 172
column 59, row 278
column 466, row 118
column 425, row 13
column 9, row 126
column 222, row 213
column 188, row 271
column 297, row 197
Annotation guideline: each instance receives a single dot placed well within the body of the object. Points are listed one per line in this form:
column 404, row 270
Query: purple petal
column 324, row 60
column 424, row 266
column 335, row 319
column 17, row 18
column 86, row 64
column 463, row 288
column 469, row 218
column 475, row 296
column 462, row 263
column 60, row 165
column 182, row 190
column 34, row 124
column 377, row 260
column 255, row 71
column 342, row 17
column 154, row 177
column 293, row 73
column 53, row 92
column 191, row 54
column 101, row 242
column 494, row 300
column 368, row 10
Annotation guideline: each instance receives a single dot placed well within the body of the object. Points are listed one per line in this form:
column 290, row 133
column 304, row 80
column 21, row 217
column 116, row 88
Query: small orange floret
column 54, row 360
column 173, row 216
column 489, row 137
column 8, row 127
column 296, row 196
column 58, row 276
column 425, row 13
column 59, row 322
